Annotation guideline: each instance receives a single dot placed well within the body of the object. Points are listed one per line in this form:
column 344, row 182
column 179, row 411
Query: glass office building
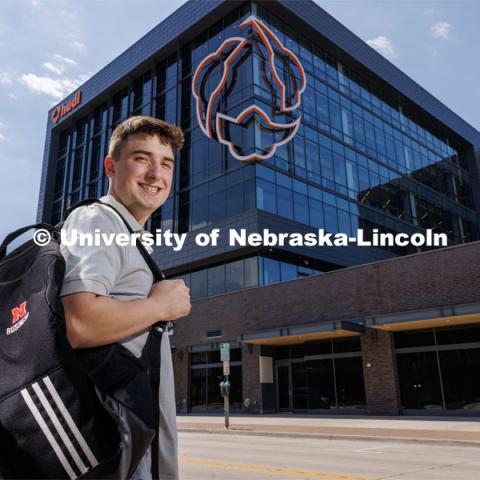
column 370, row 149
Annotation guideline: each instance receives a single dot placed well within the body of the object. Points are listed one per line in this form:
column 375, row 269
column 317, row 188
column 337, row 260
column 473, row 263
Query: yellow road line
column 286, row 472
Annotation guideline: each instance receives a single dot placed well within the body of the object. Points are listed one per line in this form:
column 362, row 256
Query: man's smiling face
column 141, row 178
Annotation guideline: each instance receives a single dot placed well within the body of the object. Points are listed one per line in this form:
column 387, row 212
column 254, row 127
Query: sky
column 48, row 48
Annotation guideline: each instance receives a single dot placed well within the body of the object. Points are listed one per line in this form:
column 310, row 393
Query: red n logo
column 19, row 312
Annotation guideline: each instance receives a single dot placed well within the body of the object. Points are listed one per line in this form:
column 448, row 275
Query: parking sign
column 224, row 352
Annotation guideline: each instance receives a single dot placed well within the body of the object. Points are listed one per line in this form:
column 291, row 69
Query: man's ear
column 109, row 166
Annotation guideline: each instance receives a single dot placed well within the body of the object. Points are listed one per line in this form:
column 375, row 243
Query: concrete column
column 380, row 373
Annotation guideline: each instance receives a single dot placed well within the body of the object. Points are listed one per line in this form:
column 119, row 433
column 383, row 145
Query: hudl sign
column 66, row 107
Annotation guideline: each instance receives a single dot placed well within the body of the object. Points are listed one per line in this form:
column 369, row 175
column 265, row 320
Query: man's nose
column 155, row 171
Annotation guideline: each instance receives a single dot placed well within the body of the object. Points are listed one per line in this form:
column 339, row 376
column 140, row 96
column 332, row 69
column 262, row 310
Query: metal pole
column 227, row 406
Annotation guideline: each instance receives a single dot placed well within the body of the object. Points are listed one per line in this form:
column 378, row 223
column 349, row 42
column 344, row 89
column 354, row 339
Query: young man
column 107, row 293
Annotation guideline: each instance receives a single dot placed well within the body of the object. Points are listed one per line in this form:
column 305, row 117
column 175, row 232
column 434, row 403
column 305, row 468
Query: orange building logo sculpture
column 282, row 74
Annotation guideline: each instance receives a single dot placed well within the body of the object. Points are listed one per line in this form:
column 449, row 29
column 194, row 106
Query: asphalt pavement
column 220, row 456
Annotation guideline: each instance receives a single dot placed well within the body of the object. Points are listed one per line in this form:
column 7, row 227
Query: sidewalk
column 443, row 430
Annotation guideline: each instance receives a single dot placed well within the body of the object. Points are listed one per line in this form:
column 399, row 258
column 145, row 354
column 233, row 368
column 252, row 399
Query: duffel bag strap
column 13, row 235
column 81, row 203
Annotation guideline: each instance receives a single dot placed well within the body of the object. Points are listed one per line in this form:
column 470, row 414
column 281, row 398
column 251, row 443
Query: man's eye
column 141, row 159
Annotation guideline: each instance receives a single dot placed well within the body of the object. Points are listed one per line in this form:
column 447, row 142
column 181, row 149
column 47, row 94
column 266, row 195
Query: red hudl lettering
column 19, row 312
column 61, row 110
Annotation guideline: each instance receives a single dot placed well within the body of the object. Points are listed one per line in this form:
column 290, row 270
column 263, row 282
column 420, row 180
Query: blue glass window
column 313, row 159
column 216, row 280
column 271, row 271
column 326, row 161
column 316, row 213
column 322, row 109
column 340, row 169
column 234, row 200
column 251, row 272
column 300, row 205
column 299, row 152
column 284, row 202
column 335, row 115
column 344, row 223
column 288, row 271
column 266, row 196
column 235, row 275
column 198, row 284
column 331, row 224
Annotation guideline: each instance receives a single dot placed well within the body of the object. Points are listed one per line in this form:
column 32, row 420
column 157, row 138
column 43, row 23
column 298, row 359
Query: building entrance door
column 284, row 387
column 291, row 385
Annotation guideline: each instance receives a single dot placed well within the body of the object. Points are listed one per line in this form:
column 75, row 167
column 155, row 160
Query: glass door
column 299, row 386
column 284, row 387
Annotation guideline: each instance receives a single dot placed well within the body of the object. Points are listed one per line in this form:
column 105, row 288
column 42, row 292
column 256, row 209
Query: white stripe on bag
column 56, row 423
column 46, row 431
column 66, row 415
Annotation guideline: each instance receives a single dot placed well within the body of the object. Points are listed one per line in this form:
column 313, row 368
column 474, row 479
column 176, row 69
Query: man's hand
column 172, row 298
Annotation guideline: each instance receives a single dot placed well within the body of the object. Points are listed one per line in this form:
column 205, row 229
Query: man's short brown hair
column 166, row 132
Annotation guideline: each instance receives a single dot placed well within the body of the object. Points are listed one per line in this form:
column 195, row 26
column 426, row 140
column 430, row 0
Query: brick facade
column 380, row 373
column 251, row 376
column 433, row 279
column 181, row 371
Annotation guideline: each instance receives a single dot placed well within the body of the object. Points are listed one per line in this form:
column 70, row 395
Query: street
column 229, row 456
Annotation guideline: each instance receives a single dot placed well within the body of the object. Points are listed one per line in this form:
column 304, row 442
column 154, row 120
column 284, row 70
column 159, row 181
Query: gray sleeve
column 92, row 269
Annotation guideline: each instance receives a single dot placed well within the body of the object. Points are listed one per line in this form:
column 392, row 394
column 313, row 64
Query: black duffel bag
column 63, row 413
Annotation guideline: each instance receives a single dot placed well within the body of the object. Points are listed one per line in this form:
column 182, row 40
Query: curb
column 336, row 436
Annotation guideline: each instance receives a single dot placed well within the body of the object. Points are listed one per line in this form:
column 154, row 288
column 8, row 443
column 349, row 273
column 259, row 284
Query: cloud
column 2, row 137
column 441, row 30
column 65, row 60
column 52, row 87
column 77, row 46
column 12, row 96
column 58, row 69
column 5, row 78
column 60, row 65
column 35, row 3
column 383, row 46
